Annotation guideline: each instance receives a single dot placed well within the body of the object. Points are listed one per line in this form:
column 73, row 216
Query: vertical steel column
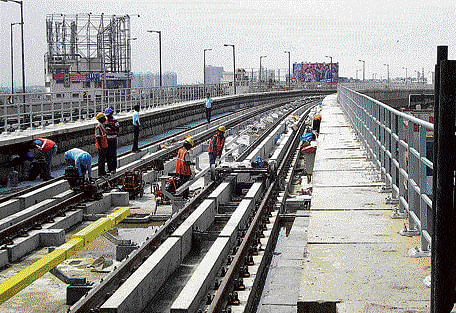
column 443, row 243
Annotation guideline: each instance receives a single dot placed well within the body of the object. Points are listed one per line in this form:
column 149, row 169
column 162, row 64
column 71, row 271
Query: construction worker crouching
column 80, row 160
column 183, row 163
column 101, row 143
column 216, row 145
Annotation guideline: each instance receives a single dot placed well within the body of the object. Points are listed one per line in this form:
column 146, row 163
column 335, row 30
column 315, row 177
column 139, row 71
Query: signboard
column 117, row 76
column 420, row 101
column 316, row 72
column 66, row 78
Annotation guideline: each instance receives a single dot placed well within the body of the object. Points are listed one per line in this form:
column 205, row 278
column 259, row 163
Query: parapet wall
column 154, row 122
column 394, row 98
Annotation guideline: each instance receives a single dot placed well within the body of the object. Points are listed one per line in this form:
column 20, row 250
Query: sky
column 399, row 33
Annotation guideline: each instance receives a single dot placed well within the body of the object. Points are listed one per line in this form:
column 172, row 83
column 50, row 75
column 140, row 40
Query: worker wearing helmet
column 216, row 145
column 101, row 143
column 112, row 128
column 183, row 161
column 316, row 123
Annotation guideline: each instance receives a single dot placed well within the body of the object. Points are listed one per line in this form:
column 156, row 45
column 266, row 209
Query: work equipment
column 78, row 184
column 133, row 183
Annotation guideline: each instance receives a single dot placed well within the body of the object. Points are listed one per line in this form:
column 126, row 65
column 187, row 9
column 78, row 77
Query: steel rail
column 108, row 285
column 13, row 231
column 227, row 283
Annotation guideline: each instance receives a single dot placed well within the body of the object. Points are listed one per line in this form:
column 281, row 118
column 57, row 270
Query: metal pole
column 441, row 276
column 364, row 68
column 23, row 58
column 160, row 56
column 204, row 70
column 12, row 60
column 234, row 70
column 289, row 69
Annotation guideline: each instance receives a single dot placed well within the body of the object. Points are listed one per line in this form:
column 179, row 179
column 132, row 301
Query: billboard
column 316, row 72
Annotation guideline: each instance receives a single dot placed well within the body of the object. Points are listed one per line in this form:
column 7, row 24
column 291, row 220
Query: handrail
column 397, row 144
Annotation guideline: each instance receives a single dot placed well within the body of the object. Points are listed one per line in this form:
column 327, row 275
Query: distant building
column 149, row 80
column 214, row 74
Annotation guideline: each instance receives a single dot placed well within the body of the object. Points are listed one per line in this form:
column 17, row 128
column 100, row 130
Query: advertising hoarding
column 316, row 72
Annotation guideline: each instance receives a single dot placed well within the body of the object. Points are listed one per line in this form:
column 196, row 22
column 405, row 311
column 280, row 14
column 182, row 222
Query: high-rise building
column 149, row 80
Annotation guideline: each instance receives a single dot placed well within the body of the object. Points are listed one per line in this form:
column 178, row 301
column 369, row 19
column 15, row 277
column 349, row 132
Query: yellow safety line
column 79, row 240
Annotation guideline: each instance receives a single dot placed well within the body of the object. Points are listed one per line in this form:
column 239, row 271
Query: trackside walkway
column 354, row 259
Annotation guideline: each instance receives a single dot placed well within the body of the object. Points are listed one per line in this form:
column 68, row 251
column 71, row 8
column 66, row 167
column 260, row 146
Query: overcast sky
column 402, row 33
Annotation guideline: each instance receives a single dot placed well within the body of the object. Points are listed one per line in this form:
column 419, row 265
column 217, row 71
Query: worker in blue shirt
column 208, row 104
column 81, row 160
column 136, row 127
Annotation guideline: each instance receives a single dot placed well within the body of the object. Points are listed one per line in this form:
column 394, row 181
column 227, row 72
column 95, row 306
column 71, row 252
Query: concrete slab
column 120, row 198
column 99, row 206
column 23, row 246
column 201, row 219
column 9, row 207
column 238, row 220
column 52, row 237
column 25, row 213
column 373, row 274
column 255, row 191
column 70, row 219
column 198, row 285
column 141, row 286
column 347, row 197
column 3, row 258
column 36, row 196
column 344, row 178
column 222, row 194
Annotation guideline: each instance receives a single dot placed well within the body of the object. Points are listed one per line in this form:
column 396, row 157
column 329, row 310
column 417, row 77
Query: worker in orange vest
column 101, row 143
column 316, row 123
column 48, row 148
column 216, row 145
column 183, row 163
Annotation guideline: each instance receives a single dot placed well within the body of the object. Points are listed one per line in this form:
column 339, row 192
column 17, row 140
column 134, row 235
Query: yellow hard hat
column 222, row 128
column 190, row 141
column 100, row 115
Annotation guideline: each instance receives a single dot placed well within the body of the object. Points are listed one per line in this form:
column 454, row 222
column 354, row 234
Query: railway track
column 246, row 230
column 200, row 134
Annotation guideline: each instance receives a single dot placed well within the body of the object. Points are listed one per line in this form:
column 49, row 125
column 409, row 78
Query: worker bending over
column 183, row 163
column 48, row 148
column 216, row 145
column 81, row 160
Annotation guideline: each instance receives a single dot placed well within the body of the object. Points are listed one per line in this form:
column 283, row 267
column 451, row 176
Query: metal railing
column 30, row 111
column 397, row 143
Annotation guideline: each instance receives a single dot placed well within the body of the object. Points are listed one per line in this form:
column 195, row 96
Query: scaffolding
column 88, row 43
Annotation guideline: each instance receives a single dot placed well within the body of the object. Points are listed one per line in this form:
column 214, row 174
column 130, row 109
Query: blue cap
column 109, row 111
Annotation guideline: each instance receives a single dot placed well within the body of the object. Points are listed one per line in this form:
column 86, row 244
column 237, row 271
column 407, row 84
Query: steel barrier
column 397, row 144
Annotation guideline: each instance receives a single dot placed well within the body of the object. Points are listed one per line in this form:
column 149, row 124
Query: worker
column 183, row 163
column 208, row 103
column 48, row 148
column 216, row 145
column 316, row 123
column 101, row 143
column 112, row 129
column 136, row 127
column 81, row 160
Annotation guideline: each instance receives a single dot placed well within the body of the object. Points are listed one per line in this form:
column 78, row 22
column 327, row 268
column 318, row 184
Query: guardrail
column 397, row 144
column 20, row 111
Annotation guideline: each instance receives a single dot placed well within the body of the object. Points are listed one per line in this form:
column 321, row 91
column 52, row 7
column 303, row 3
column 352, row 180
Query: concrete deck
column 354, row 258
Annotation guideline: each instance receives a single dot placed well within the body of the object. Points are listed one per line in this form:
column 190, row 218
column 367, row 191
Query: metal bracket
column 418, row 253
column 391, row 200
column 386, row 189
column 409, row 232
column 398, row 215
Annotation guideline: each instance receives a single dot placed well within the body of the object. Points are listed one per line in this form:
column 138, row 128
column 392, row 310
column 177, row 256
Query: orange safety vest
column 46, row 146
column 182, row 167
column 216, row 145
column 104, row 138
